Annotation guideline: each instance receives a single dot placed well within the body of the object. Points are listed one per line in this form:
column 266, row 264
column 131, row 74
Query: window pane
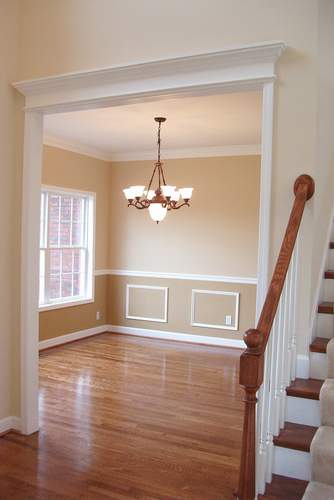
column 77, row 209
column 77, row 234
column 67, row 261
column 55, row 261
column 66, row 285
column 65, row 234
column 54, row 287
column 53, row 214
column 77, row 260
column 76, row 284
column 65, row 211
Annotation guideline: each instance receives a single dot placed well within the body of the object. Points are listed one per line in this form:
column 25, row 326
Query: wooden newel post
column 251, row 374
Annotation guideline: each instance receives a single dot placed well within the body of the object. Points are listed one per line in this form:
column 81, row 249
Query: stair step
column 284, row 487
column 326, row 308
column 322, row 453
column 329, row 275
column 319, row 344
column 308, row 388
column 319, row 491
column 331, row 245
column 295, row 436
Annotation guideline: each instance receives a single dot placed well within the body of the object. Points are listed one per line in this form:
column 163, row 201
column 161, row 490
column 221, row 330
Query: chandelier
column 164, row 197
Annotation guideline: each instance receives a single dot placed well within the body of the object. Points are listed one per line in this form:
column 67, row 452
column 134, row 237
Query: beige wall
column 75, row 171
column 179, row 309
column 10, row 180
column 218, row 234
column 71, row 35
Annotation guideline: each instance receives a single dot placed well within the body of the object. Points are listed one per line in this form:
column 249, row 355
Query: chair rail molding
column 233, row 69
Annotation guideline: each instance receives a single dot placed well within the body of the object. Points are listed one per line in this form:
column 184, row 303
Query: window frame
column 90, row 227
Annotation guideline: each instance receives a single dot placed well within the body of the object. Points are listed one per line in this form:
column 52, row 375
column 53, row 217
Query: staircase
column 304, row 448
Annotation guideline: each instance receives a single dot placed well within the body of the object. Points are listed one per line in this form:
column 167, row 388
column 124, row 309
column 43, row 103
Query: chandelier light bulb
column 167, row 191
column 175, row 196
column 186, row 193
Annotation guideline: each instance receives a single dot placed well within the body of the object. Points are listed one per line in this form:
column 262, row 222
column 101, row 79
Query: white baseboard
column 183, row 337
column 10, row 423
column 70, row 337
column 303, row 366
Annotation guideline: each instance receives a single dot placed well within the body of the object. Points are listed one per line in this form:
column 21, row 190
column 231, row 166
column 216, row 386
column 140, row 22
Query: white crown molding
column 202, row 152
column 249, row 65
column 75, row 147
column 181, row 337
column 244, row 280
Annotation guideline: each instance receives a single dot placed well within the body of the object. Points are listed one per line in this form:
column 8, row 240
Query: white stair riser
column 329, row 290
column 302, row 411
column 325, row 325
column 292, row 463
column 331, row 259
column 318, row 365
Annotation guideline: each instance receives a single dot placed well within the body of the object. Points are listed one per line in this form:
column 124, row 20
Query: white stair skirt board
column 328, row 290
column 303, row 366
column 292, row 463
column 302, row 411
column 70, row 337
column 318, row 365
column 10, row 423
column 183, row 337
column 325, row 325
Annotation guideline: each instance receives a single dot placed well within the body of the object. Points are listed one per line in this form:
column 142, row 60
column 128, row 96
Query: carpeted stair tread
column 327, row 403
column 319, row 491
column 322, row 454
column 330, row 358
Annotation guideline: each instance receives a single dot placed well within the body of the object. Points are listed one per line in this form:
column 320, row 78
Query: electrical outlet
column 228, row 320
column 97, row 315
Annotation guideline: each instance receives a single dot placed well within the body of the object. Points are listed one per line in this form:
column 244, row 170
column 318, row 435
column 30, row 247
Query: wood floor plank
column 130, row 418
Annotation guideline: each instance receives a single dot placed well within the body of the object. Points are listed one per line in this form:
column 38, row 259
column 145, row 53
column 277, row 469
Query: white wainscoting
column 216, row 326
column 164, row 317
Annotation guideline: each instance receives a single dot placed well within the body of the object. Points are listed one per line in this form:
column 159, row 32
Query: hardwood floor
column 126, row 417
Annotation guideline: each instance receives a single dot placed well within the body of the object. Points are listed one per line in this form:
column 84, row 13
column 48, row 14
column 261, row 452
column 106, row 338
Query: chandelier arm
column 176, row 207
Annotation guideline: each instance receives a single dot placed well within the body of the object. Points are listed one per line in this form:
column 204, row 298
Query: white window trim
column 90, row 298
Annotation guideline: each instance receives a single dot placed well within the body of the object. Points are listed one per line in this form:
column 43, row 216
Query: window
column 66, row 247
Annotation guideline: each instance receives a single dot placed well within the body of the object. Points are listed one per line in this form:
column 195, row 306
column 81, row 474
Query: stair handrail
column 256, row 339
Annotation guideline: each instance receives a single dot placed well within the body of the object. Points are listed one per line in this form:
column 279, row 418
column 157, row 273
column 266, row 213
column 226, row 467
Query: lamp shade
column 138, row 191
column 167, row 191
column 175, row 196
column 128, row 193
column 186, row 193
column 157, row 212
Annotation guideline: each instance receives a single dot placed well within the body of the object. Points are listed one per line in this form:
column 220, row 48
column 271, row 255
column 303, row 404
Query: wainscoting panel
column 146, row 303
column 215, row 309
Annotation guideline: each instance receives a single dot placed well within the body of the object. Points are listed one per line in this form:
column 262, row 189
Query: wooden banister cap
column 253, row 339
column 304, row 179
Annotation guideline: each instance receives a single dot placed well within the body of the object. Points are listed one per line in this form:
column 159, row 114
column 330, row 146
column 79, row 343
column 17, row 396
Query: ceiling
column 196, row 126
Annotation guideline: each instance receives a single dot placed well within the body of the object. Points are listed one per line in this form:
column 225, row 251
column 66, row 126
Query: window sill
column 62, row 305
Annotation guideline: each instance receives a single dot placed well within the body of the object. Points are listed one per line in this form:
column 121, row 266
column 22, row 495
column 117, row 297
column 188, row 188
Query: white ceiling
column 202, row 126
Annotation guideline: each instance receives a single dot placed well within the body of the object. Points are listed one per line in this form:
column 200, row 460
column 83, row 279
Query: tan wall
column 217, row 235
column 10, row 180
column 59, row 322
column 75, row 171
column 179, row 309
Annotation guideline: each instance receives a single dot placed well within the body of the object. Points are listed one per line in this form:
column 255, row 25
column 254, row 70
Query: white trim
column 292, row 463
column 10, row 424
column 147, row 287
column 70, row 337
column 62, row 305
column 181, row 337
column 215, row 292
column 303, row 366
column 179, row 276
column 75, row 147
column 231, row 70
column 199, row 152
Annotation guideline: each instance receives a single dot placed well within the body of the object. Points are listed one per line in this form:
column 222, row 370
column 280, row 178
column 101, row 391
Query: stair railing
column 268, row 364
